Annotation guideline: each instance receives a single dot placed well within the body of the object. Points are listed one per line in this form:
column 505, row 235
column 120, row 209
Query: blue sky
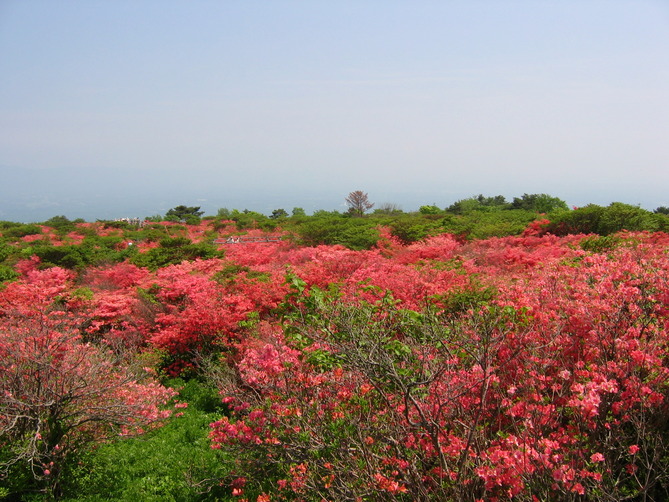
column 128, row 108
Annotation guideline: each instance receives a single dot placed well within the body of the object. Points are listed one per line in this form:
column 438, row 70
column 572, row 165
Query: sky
column 127, row 108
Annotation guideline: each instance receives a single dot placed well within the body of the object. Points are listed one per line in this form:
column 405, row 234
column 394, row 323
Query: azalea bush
column 418, row 366
column 550, row 385
column 59, row 394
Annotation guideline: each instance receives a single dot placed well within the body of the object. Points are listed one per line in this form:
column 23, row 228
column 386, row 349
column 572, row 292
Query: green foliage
column 462, row 300
column 83, row 293
column 5, row 251
column 18, row 230
column 61, row 224
column 192, row 220
column 173, row 251
column 19, row 481
column 354, row 233
column 174, row 242
column 662, row 221
column 539, row 203
column 7, row 273
column 298, row 211
column 601, row 244
column 229, row 274
column 188, row 214
column 429, row 210
column 92, row 251
column 223, row 212
column 278, row 214
column 149, row 233
column 250, row 219
column 322, row 213
column 584, row 220
column 604, row 220
column 619, row 216
column 487, row 217
column 150, row 294
column 72, row 256
column 464, row 206
column 268, row 225
column 357, row 236
column 63, row 256
column 482, row 225
column 412, row 228
column 478, row 203
column 173, row 463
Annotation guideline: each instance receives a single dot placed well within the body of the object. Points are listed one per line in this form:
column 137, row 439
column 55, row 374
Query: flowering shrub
column 58, row 393
column 552, row 384
column 531, row 367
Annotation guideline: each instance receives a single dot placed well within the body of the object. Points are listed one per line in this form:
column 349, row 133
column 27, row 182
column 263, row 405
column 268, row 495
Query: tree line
column 359, row 227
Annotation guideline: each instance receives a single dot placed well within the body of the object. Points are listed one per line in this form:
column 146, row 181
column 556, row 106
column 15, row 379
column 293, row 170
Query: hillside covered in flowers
column 521, row 367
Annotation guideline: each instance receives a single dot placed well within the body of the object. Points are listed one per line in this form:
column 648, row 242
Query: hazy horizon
column 94, row 198
column 124, row 109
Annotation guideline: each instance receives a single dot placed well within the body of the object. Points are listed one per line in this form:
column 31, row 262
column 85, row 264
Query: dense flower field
column 532, row 367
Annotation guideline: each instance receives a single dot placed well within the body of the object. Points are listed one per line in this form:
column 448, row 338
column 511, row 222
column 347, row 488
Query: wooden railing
column 245, row 239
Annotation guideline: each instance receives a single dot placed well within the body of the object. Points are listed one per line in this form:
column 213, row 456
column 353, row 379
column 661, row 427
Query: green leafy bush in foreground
column 173, row 463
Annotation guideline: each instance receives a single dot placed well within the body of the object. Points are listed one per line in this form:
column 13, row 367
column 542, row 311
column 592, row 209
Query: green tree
column 433, row 209
column 539, row 203
column 464, row 206
column 279, row 213
column 188, row 214
column 60, row 223
column 604, row 220
column 224, row 213
column 248, row 219
column 618, row 216
column 478, row 203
